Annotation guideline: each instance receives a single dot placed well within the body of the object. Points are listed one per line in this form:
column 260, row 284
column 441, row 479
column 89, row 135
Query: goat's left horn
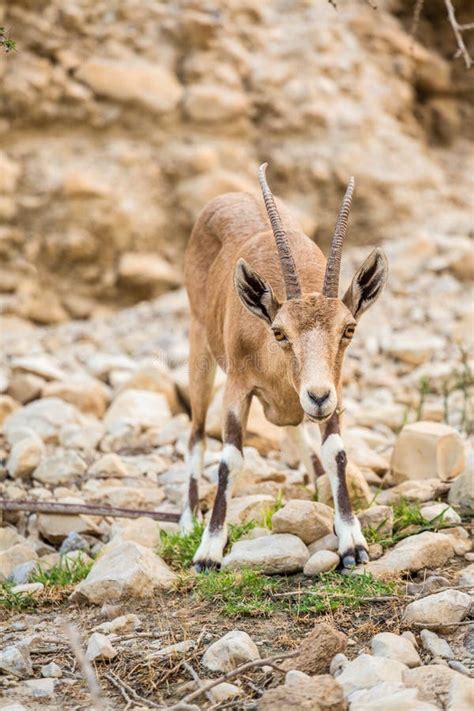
column 333, row 267
column 288, row 267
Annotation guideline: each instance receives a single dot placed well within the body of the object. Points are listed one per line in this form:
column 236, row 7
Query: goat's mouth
column 319, row 419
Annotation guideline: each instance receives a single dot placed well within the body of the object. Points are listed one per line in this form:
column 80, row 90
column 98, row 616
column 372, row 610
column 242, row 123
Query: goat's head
column 313, row 330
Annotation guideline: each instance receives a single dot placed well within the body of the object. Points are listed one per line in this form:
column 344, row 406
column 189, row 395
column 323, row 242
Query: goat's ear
column 254, row 292
column 367, row 283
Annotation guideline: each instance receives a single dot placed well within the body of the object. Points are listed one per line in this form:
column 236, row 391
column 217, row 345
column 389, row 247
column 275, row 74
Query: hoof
column 362, row 555
column 206, row 566
column 348, row 559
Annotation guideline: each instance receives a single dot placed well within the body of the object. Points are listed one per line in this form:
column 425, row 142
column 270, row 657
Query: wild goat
column 273, row 321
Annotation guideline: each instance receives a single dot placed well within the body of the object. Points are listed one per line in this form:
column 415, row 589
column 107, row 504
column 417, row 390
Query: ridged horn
column 333, row 267
column 288, row 267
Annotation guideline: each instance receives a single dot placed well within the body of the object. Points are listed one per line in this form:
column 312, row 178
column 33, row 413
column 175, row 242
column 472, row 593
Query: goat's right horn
column 333, row 266
column 288, row 267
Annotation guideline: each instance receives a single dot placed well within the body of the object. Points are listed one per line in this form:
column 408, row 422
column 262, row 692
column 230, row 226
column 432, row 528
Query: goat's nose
column 319, row 400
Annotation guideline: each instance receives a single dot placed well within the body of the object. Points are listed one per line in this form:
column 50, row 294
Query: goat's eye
column 279, row 335
column 349, row 331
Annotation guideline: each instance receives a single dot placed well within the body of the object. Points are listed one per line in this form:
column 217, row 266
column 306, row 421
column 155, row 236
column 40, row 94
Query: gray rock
column 321, row 562
column 461, row 492
column 234, row 648
column 308, row 520
column 51, row 670
column 365, row 671
column 467, row 576
column 40, row 688
column 15, row 660
column 422, row 550
column 435, row 645
column 62, row 467
column 275, row 554
column 21, row 573
column 74, row 542
column 99, row 647
column 393, row 646
column 443, row 608
column 389, row 696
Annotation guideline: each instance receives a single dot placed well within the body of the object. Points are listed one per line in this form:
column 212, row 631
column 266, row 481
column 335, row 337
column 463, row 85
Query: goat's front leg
column 211, row 549
column 352, row 544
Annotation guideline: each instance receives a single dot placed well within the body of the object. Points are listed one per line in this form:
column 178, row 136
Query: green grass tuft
column 250, row 593
column 245, row 592
column 15, row 601
column 66, row 572
column 267, row 515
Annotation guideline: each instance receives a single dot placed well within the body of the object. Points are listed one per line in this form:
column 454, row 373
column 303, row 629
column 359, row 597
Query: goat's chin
column 319, row 419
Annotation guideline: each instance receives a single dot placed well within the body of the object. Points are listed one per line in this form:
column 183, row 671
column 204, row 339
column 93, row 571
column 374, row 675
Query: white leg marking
column 347, row 525
column 194, row 466
column 211, row 548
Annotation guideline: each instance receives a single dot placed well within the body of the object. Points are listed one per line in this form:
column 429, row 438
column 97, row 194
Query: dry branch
column 55, row 507
column 458, row 30
column 268, row 661
column 128, row 693
column 85, row 666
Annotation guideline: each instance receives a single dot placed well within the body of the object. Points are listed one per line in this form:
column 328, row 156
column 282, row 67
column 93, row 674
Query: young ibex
column 273, row 320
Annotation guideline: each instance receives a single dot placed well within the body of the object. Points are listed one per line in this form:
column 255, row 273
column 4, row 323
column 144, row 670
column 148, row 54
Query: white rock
column 51, row 670
column 278, row 553
column 41, row 365
column 138, row 407
column 321, row 562
column 99, row 647
column 423, row 550
column 443, row 608
column 25, row 456
column 412, row 349
column 234, row 648
column 16, row 555
column 128, row 570
column 295, row 677
column 123, row 623
column 377, row 518
column 461, row 492
column 445, row 513
column 45, row 417
column 427, row 449
column 393, row 646
column 327, row 543
column 29, row 588
column 62, row 467
column 421, row 491
column 365, row 671
column 435, row 645
column 308, row 520
column 15, row 659
column 467, row 576
column 40, row 688
column 389, row 696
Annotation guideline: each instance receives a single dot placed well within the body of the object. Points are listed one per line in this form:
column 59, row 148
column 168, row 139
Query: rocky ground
column 97, row 412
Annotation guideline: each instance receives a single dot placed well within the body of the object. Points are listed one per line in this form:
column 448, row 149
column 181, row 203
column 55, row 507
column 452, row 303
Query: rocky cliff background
column 118, row 121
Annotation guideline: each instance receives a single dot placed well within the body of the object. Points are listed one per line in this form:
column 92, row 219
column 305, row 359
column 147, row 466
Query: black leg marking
column 343, row 499
column 219, row 509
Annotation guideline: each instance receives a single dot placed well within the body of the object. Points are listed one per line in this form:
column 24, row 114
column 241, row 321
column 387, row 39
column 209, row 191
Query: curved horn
column 333, row 267
column 288, row 268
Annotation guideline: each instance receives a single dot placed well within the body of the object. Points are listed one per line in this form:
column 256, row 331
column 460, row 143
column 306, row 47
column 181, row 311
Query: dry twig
column 458, row 30
column 268, row 661
column 128, row 693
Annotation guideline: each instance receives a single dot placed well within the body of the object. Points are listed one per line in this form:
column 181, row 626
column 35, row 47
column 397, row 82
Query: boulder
column 326, row 543
column 133, row 80
column 87, row 394
column 211, row 102
column 441, row 512
column 365, row 671
column 467, row 576
column 147, row 271
column 461, row 493
column 377, row 518
column 156, row 378
column 319, row 693
column 127, row 570
column 273, row 555
column 423, row 550
column 443, row 608
column 45, row 417
column 18, row 554
column 99, row 647
column 15, row 660
column 142, row 530
column 435, row 645
column 321, row 562
column 306, row 519
column 62, row 467
column 393, row 646
column 389, row 696
column 420, row 491
column 438, row 684
column 317, row 649
column 25, row 456
column 234, row 648
column 424, row 450
column 243, row 509
column 140, row 408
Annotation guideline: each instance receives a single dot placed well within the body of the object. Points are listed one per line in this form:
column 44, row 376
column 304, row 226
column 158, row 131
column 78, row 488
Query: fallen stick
column 56, row 507
column 72, row 634
column 268, row 661
column 128, row 692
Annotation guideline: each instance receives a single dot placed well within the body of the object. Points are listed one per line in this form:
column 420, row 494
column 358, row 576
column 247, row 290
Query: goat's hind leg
column 211, row 549
column 202, row 369
column 352, row 544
